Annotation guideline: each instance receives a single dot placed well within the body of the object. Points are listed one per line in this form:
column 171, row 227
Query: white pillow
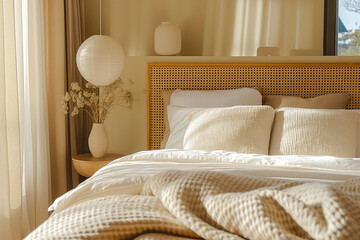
column 215, row 98
column 243, row 129
column 178, row 114
column 299, row 131
column 179, row 118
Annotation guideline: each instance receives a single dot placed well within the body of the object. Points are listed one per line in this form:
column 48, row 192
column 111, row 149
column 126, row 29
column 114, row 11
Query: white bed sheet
column 127, row 175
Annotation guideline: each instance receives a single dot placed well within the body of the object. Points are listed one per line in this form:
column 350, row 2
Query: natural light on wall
column 217, row 27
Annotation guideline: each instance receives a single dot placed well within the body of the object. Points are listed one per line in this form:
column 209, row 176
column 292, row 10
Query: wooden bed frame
column 293, row 79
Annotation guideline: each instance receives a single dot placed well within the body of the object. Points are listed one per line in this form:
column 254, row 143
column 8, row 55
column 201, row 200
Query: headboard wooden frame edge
column 300, row 79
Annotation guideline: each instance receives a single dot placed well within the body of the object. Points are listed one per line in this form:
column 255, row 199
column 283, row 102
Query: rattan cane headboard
column 300, row 79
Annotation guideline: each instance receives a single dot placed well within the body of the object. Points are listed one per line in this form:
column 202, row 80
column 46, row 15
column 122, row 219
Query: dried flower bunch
column 97, row 105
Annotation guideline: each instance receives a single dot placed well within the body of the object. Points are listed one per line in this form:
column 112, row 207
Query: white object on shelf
column 100, row 60
column 98, row 140
column 167, row 39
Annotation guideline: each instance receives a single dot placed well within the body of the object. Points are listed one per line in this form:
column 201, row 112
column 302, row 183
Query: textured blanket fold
column 221, row 206
column 213, row 205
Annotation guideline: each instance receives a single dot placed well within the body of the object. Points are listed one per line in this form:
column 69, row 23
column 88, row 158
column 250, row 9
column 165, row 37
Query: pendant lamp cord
column 100, row 17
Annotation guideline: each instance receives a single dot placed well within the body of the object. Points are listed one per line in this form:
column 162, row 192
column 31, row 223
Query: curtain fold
column 64, row 32
column 24, row 147
column 78, row 127
column 10, row 151
column 56, row 84
column 75, row 35
column 30, row 55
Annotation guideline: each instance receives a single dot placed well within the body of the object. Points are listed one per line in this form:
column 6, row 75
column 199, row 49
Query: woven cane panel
column 304, row 80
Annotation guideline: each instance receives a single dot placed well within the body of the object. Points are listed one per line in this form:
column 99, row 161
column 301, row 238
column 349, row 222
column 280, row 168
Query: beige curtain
column 64, row 32
column 75, row 35
column 34, row 132
column 24, row 153
column 56, row 79
column 10, row 160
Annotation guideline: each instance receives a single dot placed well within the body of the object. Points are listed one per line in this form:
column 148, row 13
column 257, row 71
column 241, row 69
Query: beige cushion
column 243, row 129
column 329, row 101
column 166, row 96
column 299, row 131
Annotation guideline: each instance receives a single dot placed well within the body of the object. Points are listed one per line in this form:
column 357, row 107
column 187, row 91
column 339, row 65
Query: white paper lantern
column 167, row 39
column 100, row 60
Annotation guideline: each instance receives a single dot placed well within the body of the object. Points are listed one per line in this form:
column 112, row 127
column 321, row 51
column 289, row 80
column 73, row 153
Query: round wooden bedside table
column 86, row 165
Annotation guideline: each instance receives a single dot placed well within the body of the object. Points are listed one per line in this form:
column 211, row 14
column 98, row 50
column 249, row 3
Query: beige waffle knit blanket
column 213, row 205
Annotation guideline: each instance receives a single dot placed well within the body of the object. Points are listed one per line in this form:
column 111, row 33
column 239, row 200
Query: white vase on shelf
column 98, row 140
column 167, row 39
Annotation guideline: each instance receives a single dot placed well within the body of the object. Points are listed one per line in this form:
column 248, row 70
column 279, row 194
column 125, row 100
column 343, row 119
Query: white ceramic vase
column 167, row 39
column 98, row 140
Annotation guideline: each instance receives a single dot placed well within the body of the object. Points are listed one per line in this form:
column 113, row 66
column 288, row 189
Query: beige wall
column 127, row 129
column 213, row 27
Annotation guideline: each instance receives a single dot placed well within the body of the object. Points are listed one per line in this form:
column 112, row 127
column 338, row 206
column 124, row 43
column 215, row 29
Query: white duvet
column 128, row 174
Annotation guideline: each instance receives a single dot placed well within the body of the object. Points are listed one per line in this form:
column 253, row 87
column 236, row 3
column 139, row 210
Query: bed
column 233, row 188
